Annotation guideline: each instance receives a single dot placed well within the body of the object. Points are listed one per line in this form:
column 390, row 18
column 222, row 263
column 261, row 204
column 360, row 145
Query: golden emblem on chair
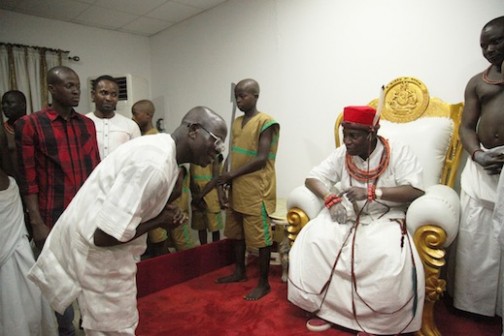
column 406, row 99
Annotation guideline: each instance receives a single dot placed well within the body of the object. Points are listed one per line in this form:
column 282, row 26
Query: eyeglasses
column 218, row 144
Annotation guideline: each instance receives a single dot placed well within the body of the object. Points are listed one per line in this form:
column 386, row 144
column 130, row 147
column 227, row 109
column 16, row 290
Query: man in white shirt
column 92, row 250
column 112, row 129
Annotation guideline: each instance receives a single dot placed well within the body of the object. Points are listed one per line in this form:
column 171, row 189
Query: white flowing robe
column 478, row 261
column 23, row 310
column 129, row 187
column 383, row 269
column 498, row 226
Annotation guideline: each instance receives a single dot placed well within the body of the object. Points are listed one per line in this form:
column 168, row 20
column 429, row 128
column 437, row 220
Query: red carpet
column 197, row 306
column 165, row 271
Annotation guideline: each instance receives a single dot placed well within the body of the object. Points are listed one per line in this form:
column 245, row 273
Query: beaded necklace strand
column 491, row 81
column 8, row 127
column 362, row 175
column 371, row 176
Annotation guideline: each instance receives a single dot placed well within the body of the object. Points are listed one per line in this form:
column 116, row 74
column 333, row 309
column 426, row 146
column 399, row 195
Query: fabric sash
column 476, row 182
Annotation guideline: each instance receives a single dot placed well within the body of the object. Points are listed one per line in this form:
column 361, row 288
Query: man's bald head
column 204, row 116
column 498, row 21
column 64, row 85
column 249, row 85
column 200, row 136
column 142, row 105
column 55, row 74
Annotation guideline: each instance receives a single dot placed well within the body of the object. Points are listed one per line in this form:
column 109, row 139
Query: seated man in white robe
column 355, row 264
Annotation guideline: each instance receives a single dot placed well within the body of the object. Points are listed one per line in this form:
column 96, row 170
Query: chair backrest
column 428, row 125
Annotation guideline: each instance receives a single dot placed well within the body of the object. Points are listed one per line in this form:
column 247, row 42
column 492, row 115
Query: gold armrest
column 296, row 219
column 429, row 241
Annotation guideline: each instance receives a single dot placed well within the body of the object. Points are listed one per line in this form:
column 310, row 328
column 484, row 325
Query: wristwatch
column 378, row 193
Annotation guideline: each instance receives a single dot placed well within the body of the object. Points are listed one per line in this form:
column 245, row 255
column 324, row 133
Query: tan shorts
column 181, row 237
column 256, row 230
column 206, row 220
column 157, row 235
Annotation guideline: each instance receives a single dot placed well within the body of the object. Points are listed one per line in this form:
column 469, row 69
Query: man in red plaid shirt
column 57, row 151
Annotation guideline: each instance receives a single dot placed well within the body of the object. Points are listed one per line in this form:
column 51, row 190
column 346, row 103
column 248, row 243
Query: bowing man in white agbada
column 92, row 250
column 355, row 264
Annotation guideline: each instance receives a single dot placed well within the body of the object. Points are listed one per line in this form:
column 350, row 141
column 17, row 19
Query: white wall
column 101, row 51
column 314, row 57
column 311, row 57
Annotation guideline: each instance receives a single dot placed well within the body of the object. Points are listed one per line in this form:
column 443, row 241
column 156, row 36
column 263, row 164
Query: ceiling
column 141, row 17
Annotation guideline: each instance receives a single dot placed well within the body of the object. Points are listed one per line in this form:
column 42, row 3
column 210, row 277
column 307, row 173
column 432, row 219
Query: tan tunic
column 201, row 176
column 250, row 191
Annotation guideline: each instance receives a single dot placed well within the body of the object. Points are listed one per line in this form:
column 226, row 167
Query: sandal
column 316, row 324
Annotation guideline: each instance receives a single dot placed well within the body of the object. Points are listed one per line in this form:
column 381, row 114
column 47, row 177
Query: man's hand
column 40, row 233
column 491, row 162
column 39, row 230
column 224, row 178
column 356, row 194
column 223, row 197
column 172, row 216
column 338, row 213
column 198, row 202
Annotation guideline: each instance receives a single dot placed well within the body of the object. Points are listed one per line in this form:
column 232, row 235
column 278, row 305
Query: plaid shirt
column 55, row 157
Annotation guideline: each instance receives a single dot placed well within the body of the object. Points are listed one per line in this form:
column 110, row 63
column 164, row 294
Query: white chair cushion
column 301, row 197
column 439, row 206
column 428, row 138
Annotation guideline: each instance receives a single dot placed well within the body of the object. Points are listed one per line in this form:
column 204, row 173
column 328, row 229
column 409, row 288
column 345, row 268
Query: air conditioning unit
column 131, row 90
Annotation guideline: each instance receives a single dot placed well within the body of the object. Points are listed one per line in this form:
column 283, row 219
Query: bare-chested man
column 14, row 107
column 31, row 315
column 478, row 255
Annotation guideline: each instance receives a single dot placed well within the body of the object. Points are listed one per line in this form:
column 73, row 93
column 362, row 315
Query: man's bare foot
column 231, row 278
column 257, row 293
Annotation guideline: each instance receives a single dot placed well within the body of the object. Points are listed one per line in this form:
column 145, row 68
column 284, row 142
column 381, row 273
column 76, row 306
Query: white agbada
column 383, row 269
column 112, row 132
column 23, row 310
column 130, row 186
column 478, row 275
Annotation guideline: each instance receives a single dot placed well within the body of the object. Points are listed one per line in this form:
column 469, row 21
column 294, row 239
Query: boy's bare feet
column 231, row 278
column 257, row 293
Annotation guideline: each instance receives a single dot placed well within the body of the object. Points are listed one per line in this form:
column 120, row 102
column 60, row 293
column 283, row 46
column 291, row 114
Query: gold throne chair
column 430, row 127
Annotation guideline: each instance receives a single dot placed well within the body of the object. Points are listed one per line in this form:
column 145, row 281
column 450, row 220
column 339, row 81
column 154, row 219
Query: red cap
column 356, row 116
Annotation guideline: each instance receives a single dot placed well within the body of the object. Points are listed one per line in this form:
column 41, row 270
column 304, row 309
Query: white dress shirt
column 112, row 132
